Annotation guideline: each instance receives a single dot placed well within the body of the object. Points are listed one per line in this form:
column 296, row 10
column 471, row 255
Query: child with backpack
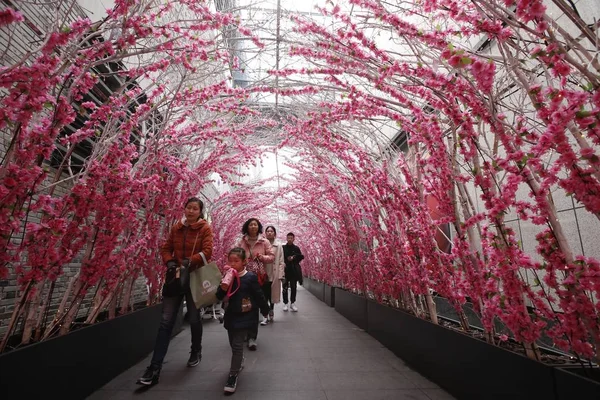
column 244, row 297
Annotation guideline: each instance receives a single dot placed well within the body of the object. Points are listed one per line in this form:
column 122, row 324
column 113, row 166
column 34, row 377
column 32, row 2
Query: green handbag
column 204, row 283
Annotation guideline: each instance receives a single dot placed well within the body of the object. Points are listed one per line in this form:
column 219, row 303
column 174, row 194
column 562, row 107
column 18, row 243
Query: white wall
column 96, row 9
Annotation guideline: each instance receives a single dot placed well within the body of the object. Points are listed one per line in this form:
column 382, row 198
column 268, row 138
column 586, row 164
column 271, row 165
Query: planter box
column 466, row 367
column 321, row 291
column 306, row 283
column 75, row 365
column 351, row 306
column 329, row 295
column 574, row 386
column 315, row 287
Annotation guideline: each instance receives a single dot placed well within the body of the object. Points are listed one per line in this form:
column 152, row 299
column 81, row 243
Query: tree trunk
column 532, row 351
column 41, row 322
column 60, row 312
column 105, row 301
column 414, row 305
column 70, row 316
column 432, row 309
column 80, row 287
column 32, row 314
column 112, row 306
column 15, row 316
column 96, row 303
column 464, row 322
column 127, row 298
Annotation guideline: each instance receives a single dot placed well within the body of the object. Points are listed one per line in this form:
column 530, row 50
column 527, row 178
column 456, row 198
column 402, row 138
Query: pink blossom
column 561, row 69
column 483, row 72
column 8, row 16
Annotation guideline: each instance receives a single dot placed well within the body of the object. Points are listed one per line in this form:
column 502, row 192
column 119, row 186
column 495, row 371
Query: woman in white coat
column 275, row 272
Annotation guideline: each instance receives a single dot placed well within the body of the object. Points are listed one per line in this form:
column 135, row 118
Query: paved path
column 314, row 354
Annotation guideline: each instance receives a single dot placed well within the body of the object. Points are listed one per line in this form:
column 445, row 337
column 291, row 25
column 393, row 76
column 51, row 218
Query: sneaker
column 271, row 316
column 294, row 308
column 252, row 344
column 285, row 307
column 231, row 384
column 195, row 358
column 265, row 321
column 150, row 377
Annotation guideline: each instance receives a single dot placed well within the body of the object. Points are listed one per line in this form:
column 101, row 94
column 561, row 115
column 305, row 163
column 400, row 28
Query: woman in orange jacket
column 188, row 238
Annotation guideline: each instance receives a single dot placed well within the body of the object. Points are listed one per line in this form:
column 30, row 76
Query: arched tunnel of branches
column 411, row 141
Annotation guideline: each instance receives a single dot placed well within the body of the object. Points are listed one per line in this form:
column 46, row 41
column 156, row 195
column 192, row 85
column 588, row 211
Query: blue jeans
column 170, row 309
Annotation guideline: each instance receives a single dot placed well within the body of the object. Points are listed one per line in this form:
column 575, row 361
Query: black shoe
column 150, row 377
column 231, row 384
column 195, row 358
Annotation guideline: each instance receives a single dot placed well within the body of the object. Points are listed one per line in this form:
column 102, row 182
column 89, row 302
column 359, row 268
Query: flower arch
column 498, row 104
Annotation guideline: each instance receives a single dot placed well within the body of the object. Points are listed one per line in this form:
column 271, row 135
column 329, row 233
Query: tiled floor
column 314, row 354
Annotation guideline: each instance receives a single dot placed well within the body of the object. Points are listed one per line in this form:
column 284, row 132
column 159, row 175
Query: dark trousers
column 170, row 308
column 294, row 286
column 266, row 287
column 253, row 332
column 237, row 337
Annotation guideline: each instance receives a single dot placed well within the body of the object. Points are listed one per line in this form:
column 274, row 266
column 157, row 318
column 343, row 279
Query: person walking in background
column 188, row 238
column 293, row 272
column 259, row 252
column 241, row 315
column 275, row 274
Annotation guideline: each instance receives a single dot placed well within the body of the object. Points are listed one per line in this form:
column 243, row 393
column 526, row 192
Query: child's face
column 236, row 262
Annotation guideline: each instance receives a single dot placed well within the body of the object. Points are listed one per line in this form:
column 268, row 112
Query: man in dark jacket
column 293, row 272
